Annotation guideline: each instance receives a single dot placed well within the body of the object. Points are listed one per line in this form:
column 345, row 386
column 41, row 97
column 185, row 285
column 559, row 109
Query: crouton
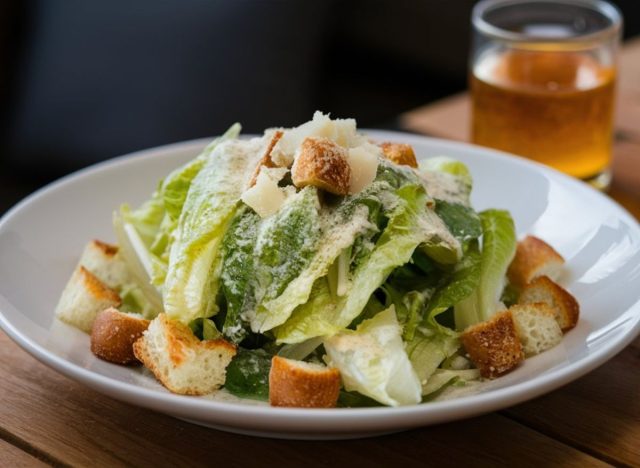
column 104, row 262
column 83, row 298
column 536, row 327
column 534, row 258
column 563, row 304
column 399, row 153
column 113, row 335
column 266, row 160
column 493, row 345
column 180, row 361
column 322, row 163
column 302, row 384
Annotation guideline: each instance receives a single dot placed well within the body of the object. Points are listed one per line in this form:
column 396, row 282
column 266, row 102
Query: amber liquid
column 553, row 107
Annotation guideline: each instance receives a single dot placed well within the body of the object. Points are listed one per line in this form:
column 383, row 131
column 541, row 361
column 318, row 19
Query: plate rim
column 392, row 417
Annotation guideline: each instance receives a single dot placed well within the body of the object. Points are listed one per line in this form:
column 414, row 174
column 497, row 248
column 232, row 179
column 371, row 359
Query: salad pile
column 377, row 283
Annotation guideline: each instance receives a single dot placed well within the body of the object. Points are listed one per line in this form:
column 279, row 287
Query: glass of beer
column 543, row 76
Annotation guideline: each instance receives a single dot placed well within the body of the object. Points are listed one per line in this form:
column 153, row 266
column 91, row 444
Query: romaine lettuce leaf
column 428, row 349
column 338, row 228
column 498, row 249
column 238, row 271
column 284, row 248
column 205, row 329
column 443, row 378
column 463, row 222
column 373, row 362
column 145, row 234
column 409, row 306
column 147, row 230
column 408, row 226
column 191, row 284
column 457, row 286
column 446, row 179
column 175, row 187
column 140, row 263
column 248, row 374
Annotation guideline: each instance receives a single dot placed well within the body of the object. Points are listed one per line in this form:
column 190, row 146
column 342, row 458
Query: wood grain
column 80, row 427
column 598, row 413
column 12, row 456
column 628, row 104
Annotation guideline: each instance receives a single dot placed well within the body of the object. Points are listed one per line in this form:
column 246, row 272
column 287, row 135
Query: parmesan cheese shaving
column 265, row 197
column 363, row 161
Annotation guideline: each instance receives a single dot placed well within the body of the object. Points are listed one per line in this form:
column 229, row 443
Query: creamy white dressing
column 443, row 186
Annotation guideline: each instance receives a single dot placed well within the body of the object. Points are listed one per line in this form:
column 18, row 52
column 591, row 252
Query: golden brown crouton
column 107, row 249
column 399, row 153
column 180, row 361
column 113, row 335
column 302, row 384
column 536, row 327
column 493, row 345
column 83, row 298
column 323, row 164
column 563, row 304
column 266, row 160
column 103, row 261
column 534, row 258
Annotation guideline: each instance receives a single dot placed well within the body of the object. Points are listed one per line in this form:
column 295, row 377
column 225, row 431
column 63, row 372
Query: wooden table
column 46, row 418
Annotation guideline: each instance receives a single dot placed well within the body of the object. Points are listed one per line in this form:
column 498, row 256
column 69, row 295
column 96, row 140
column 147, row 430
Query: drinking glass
column 542, row 81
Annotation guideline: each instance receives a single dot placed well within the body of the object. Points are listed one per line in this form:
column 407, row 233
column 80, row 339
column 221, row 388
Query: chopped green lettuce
column 446, row 179
column 408, row 227
column 457, row 286
column 498, row 249
column 300, row 351
column 372, row 361
column 205, row 329
column 145, row 234
column 248, row 374
column 443, row 378
column 191, row 283
column 176, row 186
column 428, row 349
column 339, row 229
column 463, row 222
column 238, row 272
column 139, row 263
column 285, row 247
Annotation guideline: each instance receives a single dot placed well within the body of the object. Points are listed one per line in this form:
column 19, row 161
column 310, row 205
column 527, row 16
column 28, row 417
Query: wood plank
column 12, row 456
column 78, row 426
column 448, row 118
column 626, row 166
column 598, row 413
column 628, row 103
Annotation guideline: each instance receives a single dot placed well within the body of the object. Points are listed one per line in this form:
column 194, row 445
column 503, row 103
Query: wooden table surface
column 47, row 419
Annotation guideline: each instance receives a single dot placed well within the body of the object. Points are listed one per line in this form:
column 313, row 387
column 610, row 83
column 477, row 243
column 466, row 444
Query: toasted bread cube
column 322, row 163
column 180, row 361
column 113, row 335
column 399, row 153
column 536, row 326
column 266, row 160
column 534, row 258
column 493, row 346
column 83, row 298
column 103, row 261
column 563, row 304
column 303, row 385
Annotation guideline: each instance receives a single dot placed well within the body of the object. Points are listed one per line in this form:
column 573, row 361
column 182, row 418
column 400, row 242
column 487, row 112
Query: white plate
column 42, row 237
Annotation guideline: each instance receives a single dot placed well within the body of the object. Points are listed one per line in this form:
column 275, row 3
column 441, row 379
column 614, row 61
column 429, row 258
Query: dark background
column 83, row 81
